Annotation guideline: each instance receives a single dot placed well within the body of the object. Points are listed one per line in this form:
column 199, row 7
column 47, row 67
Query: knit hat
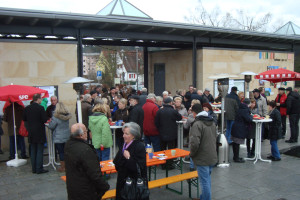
column 207, row 105
column 289, row 89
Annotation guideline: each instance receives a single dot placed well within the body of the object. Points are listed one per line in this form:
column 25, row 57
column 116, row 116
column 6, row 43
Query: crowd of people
column 147, row 119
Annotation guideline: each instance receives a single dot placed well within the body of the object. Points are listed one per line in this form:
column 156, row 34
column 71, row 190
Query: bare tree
column 238, row 19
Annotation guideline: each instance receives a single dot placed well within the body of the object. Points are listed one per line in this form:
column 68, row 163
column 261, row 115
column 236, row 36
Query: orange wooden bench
column 193, row 176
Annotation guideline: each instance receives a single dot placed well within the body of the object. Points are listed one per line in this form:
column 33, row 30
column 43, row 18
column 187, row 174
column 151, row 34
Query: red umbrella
column 20, row 93
column 16, row 93
column 278, row 75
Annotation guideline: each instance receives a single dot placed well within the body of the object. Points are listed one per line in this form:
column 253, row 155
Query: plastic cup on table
column 173, row 152
column 120, row 122
column 150, row 155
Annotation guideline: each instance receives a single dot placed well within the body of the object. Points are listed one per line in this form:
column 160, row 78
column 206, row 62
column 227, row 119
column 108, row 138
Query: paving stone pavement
column 260, row 181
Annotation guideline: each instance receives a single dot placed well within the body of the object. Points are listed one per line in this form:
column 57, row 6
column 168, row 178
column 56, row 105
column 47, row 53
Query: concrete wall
column 178, row 68
column 39, row 64
column 211, row 61
column 236, row 61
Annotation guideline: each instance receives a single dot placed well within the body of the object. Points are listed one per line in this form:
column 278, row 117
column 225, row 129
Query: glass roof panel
column 107, row 9
column 289, row 29
column 118, row 9
column 130, row 10
column 124, row 8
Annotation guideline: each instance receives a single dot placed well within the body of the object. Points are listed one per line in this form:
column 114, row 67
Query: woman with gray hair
column 132, row 153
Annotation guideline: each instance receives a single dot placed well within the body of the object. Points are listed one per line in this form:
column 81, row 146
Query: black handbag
column 135, row 189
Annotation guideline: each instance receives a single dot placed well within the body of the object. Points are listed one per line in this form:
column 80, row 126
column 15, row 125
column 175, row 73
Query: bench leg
column 167, row 175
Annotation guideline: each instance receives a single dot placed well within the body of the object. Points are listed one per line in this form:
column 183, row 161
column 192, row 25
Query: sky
column 171, row 10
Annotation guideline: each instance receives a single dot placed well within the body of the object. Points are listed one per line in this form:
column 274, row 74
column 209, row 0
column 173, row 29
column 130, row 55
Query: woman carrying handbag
column 130, row 162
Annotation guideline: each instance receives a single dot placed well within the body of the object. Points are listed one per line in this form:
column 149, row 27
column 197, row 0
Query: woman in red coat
column 281, row 106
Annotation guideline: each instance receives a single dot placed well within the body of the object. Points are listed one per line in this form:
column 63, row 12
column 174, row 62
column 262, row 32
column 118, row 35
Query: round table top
column 262, row 120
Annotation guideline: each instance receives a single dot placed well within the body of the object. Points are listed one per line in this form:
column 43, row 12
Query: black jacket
column 83, row 172
column 293, row 103
column 275, row 126
column 165, row 122
column 232, row 103
column 143, row 98
column 203, row 99
column 120, row 115
column 242, row 122
column 136, row 114
column 127, row 167
column 35, row 118
column 209, row 97
column 50, row 109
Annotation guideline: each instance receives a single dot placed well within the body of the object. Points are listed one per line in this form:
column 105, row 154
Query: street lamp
column 77, row 86
column 137, row 68
column 247, row 76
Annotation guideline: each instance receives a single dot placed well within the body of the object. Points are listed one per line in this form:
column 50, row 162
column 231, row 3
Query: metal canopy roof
column 21, row 24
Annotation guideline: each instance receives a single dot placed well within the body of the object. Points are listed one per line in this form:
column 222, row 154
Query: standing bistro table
column 51, row 149
column 258, row 123
column 113, row 150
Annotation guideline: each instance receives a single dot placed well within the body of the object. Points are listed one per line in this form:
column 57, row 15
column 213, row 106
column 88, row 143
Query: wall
column 39, row 64
column 178, row 68
column 213, row 61
column 236, row 61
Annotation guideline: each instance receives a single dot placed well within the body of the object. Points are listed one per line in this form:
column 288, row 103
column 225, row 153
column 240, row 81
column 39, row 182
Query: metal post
column 79, row 54
column 195, row 62
column 146, row 67
column 137, row 68
column 79, row 112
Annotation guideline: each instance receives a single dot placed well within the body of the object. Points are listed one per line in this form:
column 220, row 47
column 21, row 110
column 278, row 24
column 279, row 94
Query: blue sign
column 99, row 73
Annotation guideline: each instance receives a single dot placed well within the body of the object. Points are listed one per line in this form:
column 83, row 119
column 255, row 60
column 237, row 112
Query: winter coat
column 275, row 125
column 143, row 98
column 232, row 103
column 101, row 133
column 187, row 104
column 262, row 107
column 150, row 110
column 83, row 172
column 35, row 118
column 182, row 111
column 214, row 116
column 1, row 130
column 293, row 103
column 209, row 97
column 282, row 100
column 8, row 117
column 252, row 126
column 86, row 112
column 203, row 139
column 50, row 110
column 242, row 122
column 127, row 167
column 136, row 114
column 120, row 115
column 165, row 121
column 44, row 103
column 59, row 125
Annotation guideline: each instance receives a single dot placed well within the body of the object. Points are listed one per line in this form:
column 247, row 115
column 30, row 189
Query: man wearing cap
column 281, row 106
column 293, row 113
column 232, row 103
column 136, row 113
column 150, row 131
column 165, row 121
column 262, row 107
column 208, row 95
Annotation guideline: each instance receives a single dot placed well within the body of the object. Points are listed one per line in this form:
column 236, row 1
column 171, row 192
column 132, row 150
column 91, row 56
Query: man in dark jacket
column 208, row 95
column 50, row 109
column 151, row 134
column 83, row 172
column 165, row 122
column 232, row 103
column 136, row 112
column 35, row 118
column 203, row 152
column 293, row 112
